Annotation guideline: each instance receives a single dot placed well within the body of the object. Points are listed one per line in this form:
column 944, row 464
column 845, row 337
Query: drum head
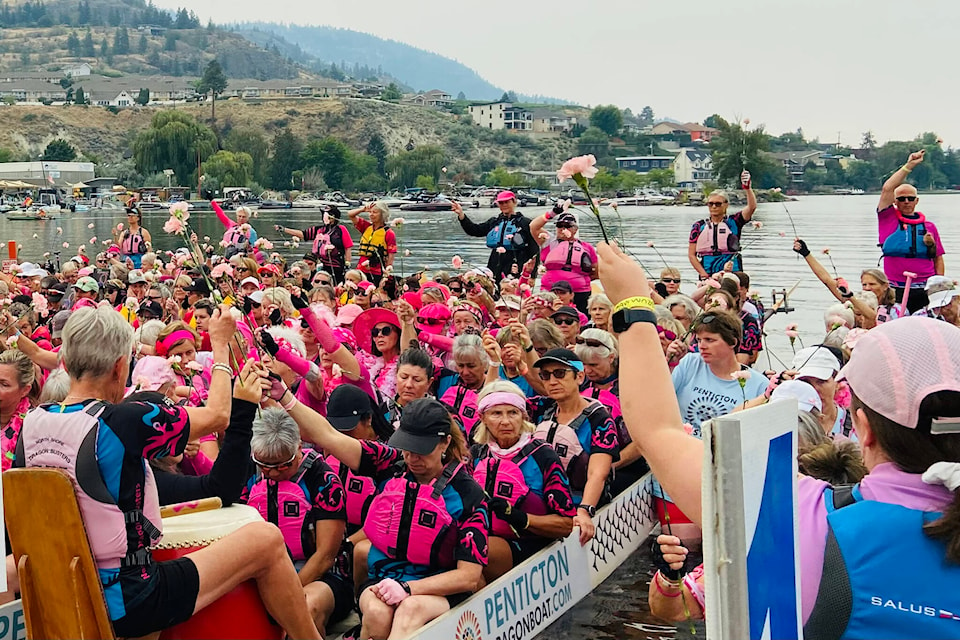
column 205, row 527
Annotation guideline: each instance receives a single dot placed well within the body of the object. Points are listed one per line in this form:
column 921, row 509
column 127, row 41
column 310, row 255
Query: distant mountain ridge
column 416, row 68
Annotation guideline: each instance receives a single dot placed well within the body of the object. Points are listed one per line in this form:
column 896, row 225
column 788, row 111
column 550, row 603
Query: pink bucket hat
column 898, row 364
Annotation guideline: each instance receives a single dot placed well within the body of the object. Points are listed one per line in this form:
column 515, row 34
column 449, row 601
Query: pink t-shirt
column 888, row 223
column 886, row 483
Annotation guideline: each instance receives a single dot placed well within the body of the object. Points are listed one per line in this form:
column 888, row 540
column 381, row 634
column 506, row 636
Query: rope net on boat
column 624, row 520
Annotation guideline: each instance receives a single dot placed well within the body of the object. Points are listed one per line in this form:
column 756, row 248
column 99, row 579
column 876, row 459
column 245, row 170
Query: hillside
column 419, row 69
column 107, row 137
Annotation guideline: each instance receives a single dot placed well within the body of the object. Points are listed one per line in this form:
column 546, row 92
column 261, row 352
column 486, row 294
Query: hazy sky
column 829, row 66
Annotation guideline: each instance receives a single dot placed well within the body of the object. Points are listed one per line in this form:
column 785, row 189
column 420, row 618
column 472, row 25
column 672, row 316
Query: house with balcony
column 794, row 162
column 546, row 121
column 501, row 115
column 644, row 164
column 435, row 99
column 697, row 132
column 692, row 168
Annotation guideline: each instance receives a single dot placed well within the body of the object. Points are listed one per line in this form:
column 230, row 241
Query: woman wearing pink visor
column 880, row 560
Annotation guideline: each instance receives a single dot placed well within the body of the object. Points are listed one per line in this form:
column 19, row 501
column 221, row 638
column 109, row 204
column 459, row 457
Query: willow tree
column 175, row 140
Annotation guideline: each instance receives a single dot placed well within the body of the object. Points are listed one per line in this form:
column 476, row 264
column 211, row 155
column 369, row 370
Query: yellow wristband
column 637, row 302
column 906, row 168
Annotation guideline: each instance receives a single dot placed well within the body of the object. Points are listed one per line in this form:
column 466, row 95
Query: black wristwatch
column 625, row 317
column 589, row 508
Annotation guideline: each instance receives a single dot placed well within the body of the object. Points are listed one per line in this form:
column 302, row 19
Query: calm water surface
column 844, row 224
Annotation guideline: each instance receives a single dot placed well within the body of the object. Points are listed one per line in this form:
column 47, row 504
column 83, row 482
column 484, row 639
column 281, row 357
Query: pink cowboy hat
column 368, row 320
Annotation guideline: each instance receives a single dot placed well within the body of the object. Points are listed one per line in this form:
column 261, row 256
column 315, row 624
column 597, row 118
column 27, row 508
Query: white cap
column 815, row 362
column 250, row 280
column 256, row 296
column 942, row 299
column 807, row 397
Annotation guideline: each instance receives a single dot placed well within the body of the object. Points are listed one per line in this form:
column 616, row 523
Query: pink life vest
column 359, row 491
column 234, row 237
column 287, row 504
column 133, row 243
column 503, row 478
column 68, row 441
column 605, row 397
column 570, row 257
column 563, row 438
column 464, row 404
column 715, row 239
column 410, row 521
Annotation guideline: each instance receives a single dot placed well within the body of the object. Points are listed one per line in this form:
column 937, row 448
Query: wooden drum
column 240, row 613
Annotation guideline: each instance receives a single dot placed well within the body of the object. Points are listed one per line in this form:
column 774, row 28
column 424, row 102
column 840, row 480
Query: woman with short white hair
column 378, row 243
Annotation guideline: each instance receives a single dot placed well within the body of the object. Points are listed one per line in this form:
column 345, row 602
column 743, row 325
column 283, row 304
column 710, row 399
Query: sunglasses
column 456, row 289
column 564, row 225
column 670, row 280
column 716, row 204
column 565, row 321
column 591, row 342
column 281, row 466
column 155, row 298
column 559, row 374
column 384, row 331
column 430, row 322
column 707, row 319
column 320, row 281
column 906, row 198
column 244, row 269
column 666, row 333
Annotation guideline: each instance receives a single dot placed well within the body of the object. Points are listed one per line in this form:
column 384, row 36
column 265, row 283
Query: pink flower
column 525, row 287
column 119, row 226
column 757, row 224
column 650, row 243
column 826, row 251
column 792, row 334
column 93, row 240
column 66, row 245
column 82, row 248
column 224, row 244
column 740, row 375
column 193, row 365
column 712, row 283
column 688, row 429
column 501, row 250
column 842, row 396
column 398, row 222
column 90, row 226
column 206, row 238
column 264, row 244
column 583, row 165
column 180, row 210
column 406, row 253
column 509, row 236
column 783, row 234
column 59, row 231
column 327, row 248
column 173, row 225
column 39, row 304
column 746, row 121
column 221, row 270
column 791, row 327
column 457, row 262
column 286, row 243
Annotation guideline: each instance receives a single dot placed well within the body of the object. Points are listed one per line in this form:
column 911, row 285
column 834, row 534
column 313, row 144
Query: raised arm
column 296, row 233
column 41, row 357
column 216, row 415
column 314, row 428
column 675, row 457
column 745, row 182
column 842, row 295
column 537, row 224
column 469, row 227
column 221, row 216
column 898, row 178
column 355, row 214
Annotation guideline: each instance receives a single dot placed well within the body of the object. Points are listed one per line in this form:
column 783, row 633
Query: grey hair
column 835, row 337
column 584, row 351
column 291, row 336
column 869, row 298
column 690, row 307
column 467, row 345
column 69, row 267
column 148, row 331
column 721, row 193
column 93, row 340
column 809, row 431
column 662, row 314
column 840, row 311
column 56, row 388
column 276, row 435
column 384, row 210
column 280, row 297
column 599, row 298
column 480, row 434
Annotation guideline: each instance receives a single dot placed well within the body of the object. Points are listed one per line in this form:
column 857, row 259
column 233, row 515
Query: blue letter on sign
column 771, row 567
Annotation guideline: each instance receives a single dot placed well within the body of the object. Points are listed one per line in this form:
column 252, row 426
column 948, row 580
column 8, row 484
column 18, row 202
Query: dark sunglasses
column 383, row 331
column 559, row 374
column 281, row 466
column 716, row 204
column 670, row 280
column 304, row 324
column 565, row 321
column 666, row 333
column 245, row 269
column 320, row 281
column 564, row 225
column 906, row 198
column 155, row 298
column 591, row 342
column 431, row 322
column 456, row 289
column 707, row 319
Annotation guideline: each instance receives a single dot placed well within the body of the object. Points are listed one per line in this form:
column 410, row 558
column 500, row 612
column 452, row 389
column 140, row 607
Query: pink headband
column 501, row 397
column 163, row 346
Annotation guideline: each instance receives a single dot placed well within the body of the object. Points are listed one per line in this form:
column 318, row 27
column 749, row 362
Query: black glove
column 803, row 250
column 845, row 293
column 276, row 317
column 300, row 302
column 516, row 518
column 247, row 306
column 278, row 228
column 558, row 208
column 661, row 564
column 269, row 343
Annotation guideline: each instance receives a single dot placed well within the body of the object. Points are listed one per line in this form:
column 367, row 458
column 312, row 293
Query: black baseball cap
column 346, row 406
column 151, row 307
column 566, row 311
column 567, row 218
column 198, row 285
column 560, row 356
column 562, row 285
column 424, row 423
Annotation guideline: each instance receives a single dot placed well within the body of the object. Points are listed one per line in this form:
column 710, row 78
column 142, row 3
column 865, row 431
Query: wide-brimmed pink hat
column 367, row 320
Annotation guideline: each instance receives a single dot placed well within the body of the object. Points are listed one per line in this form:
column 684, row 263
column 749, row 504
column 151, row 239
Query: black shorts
column 172, row 599
column 524, row 548
column 342, row 597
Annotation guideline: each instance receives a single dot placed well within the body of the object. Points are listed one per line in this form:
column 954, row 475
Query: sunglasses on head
column 559, row 374
column 431, row 322
column 670, row 280
column 565, row 321
column 591, row 342
column 906, row 198
column 666, row 333
column 383, row 331
column 281, row 466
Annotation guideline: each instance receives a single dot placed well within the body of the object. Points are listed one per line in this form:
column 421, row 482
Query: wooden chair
column 59, row 583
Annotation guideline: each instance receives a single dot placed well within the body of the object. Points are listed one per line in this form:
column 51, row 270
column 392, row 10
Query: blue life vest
column 506, row 234
column 907, row 242
column 882, row 576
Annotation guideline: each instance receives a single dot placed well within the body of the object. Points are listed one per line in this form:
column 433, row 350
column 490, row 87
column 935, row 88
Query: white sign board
column 534, row 594
column 13, row 626
column 751, row 553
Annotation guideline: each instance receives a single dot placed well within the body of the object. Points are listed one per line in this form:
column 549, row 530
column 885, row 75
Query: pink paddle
column 909, row 275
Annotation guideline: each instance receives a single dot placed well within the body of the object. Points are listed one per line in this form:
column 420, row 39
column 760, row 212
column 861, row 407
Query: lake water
column 845, row 224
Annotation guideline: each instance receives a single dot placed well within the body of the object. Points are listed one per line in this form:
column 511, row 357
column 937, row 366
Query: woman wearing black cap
column 566, row 258
column 332, row 243
column 580, row 429
column 425, row 463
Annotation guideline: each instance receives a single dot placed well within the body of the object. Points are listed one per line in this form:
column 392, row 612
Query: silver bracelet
column 219, row 366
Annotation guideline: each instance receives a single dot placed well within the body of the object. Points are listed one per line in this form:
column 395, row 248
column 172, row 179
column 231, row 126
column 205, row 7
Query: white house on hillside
column 502, row 115
column 692, row 167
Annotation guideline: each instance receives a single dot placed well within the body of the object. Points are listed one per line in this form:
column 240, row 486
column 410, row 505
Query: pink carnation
column 501, row 250
column 264, row 244
column 740, row 375
column 180, row 210
column 221, row 270
column 783, row 234
column 39, row 304
column 93, row 240
column 173, row 225
column 59, row 231
column 583, row 165
column 119, row 226
column 90, row 226
column 66, row 245
column 757, row 224
column 406, row 253
column 457, row 262
column 650, row 244
column 193, row 365
column 398, row 222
